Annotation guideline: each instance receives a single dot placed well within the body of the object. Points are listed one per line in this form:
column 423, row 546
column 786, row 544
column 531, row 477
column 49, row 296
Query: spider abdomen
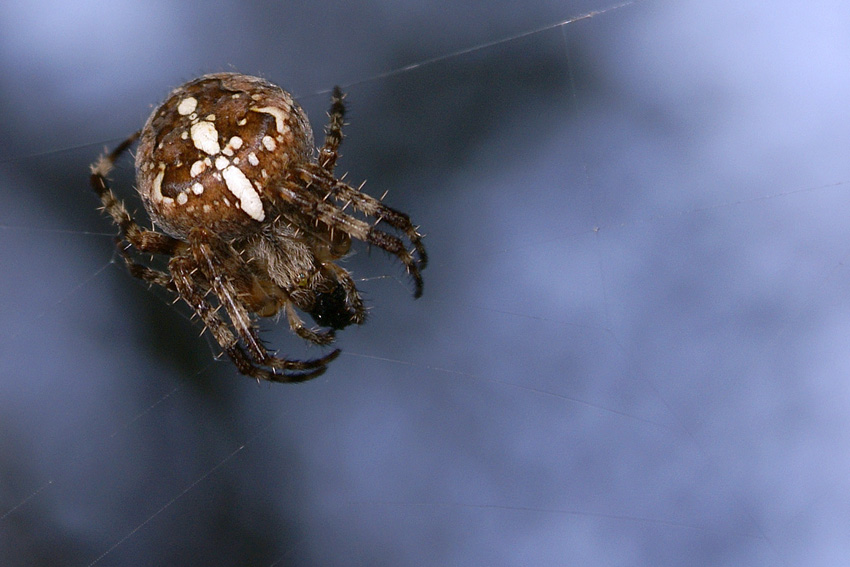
column 211, row 154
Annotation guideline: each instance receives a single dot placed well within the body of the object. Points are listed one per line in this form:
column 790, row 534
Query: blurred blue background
column 632, row 344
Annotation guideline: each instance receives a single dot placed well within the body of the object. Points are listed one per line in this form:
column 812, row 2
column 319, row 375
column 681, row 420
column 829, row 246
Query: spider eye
column 330, row 309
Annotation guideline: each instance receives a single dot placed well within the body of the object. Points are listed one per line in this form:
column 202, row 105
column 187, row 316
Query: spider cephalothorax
column 226, row 167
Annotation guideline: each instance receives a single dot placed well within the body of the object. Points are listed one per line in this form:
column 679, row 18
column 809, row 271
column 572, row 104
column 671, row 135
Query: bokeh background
column 632, row 345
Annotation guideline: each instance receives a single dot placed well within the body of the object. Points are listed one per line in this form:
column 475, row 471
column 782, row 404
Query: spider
column 250, row 215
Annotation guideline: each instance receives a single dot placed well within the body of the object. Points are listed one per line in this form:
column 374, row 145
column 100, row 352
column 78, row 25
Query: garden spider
column 226, row 168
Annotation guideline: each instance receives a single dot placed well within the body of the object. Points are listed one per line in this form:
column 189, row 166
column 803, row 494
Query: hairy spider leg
column 207, row 250
column 334, row 217
column 151, row 276
column 333, row 132
column 143, row 240
column 344, row 192
column 184, row 270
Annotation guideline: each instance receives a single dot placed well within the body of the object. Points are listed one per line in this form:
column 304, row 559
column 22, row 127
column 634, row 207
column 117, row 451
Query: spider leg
column 182, row 269
column 143, row 240
column 330, row 214
column 369, row 206
column 372, row 207
column 299, row 328
column 141, row 271
column 206, row 248
column 333, row 132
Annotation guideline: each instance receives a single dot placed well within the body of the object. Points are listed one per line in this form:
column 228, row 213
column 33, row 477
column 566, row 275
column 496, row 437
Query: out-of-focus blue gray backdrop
column 632, row 345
